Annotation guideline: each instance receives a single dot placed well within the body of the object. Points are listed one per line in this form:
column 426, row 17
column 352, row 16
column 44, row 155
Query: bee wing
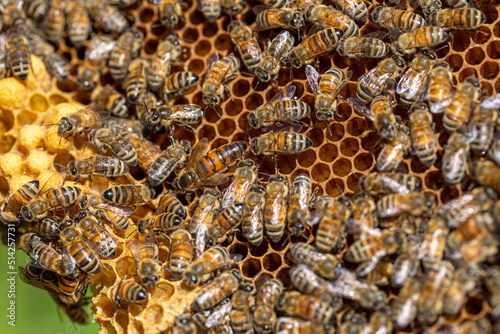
column 491, row 102
column 122, row 211
column 313, row 78
column 375, row 35
column 199, row 150
column 370, row 73
column 438, row 107
column 392, row 184
column 367, row 267
column 99, row 110
column 284, row 94
column 410, row 84
column 321, row 206
column 212, row 60
column 99, row 49
column 346, row 285
column 360, row 107
column 317, row 27
column 200, row 240
column 259, row 9
column 190, row 111
column 455, row 204
column 218, row 317
column 214, row 180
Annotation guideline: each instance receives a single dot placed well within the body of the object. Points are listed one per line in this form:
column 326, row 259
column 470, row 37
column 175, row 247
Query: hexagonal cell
column 263, row 278
column 190, row 35
column 468, row 72
column 317, row 137
column 491, row 13
column 486, row 87
column 497, row 86
column 258, row 251
column 337, row 132
column 196, row 66
column 284, row 276
column 363, row 161
column 493, row 50
column 353, row 181
column 474, row 305
column 335, row 188
column 63, row 159
column 239, row 249
column 271, row 262
column 223, row 42
column 286, row 163
column 7, row 121
column 320, row 172
column 474, row 56
column 6, row 143
column 25, row 118
column 241, row 88
column 4, row 187
column 342, row 167
column 253, row 101
column 202, row 48
column 461, row 41
column 489, row 70
column 150, row 46
column 356, row 126
column 349, row 147
column 56, row 99
column 496, row 29
column 455, row 61
column 226, row 127
column 482, row 36
column 306, row 159
column 209, row 29
column 434, row 180
column 146, row 15
column 328, row 152
column 250, row 267
column 39, row 103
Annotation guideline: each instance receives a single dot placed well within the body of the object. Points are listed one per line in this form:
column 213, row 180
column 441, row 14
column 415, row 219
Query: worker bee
column 4, row 60
column 424, row 37
column 11, row 206
column 252, row 222
column 356, row 9
column 353, row 323
column 464, row 281
column 485, row 173
column 480, row 128
column 104, row 139
column 94, row 204
column 128, row 292
column 100, row 239
column 109, row 18
column 181, row 251
column 245, row 41
column 494, row 151
column 84, row 256
column 283, row 18
column 97, row 165
column 126, row 48
column 205, row 169
column 71, row 289
column 75, row 312
column 182, row 114
column 414, row 81
column 282, row 142
column 277, row 51
column 146, row 259
column 217, row 290
column 162, row 222
column 268, row 296
column 56, row 64
column 323, row 264
column 110, row 98
column 431, row 249
column 226, row 222
column 169, row 160
column 315, row 44
column 461, row 18
column 422, row 134
column 95, row 58
column 129, row 194
column 178, row 83
column 330, row 216
column 122, row 126
column 47, row 228
column 201, row 269
column 456, row 153
column 217, row 74
column 169, row 203
column 299, row 200
column 394, row 152
column 79, row 24
column 440, row 91
column 168, row 51
column 36, row 9
column 233, row 6
column 147, row 151
column 288, row 325
column 414, row 203
column 183, row 324
column 211, row 9
column 377, row 274
column 54, row 21
column 18, row 51
column 275, row 207
column 241, row 315
column 169, row 11
column 293, row 304
column 395, row 19
column 373, row 82
column 55, row 198
column 363, row 216
column 428, row 6
column 308, row 282
column 405, row 306
column 366, row 46
column 473, row 227
column 386, row 183
column 332, row 18
column 135, row 83
column 208, row 205
column 244, row 177
column 407, row 262
column 480, row 326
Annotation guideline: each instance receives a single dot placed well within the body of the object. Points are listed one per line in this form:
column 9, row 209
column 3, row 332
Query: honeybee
column 315, row 44
column 464, row 281
column 394, row 152
column 377, row 274
column 126, row 48
column 395, row 19
column 252, row 222
column 129, row 194
column 233, row 6
column 288, row 325
column 135, row 83
column 178, row 83
column 181, row 251
column 47, row 228
column 55, row 198
column 404, row 308
column 182, row 114
column 183, row 324
column 473, row 227
column 217, row 290
column 244, row 177
column 56, row 64
column 331, row 216
column 282, row 142
column 277, row 51
column 172, row 158
column 241, row 315
column 307, row 307
column 308, row 282
column 75, row 312
column 268, row 296
column 201, row 269
column 363, row 216
column 283, row 18
column 162, row 222
column 147, row 151
column 4, row 61
column 110, row 98
column 331, row 18
column 326, row 91
column 356, row 9
column 374, row 81
column 424, row 37
column 169, row 203
column 485, row 173
column 11, row 206
column 440, row 91
column 245, row 41
column 299, row 200
column 386, row 183
column 97, row 165
column 456, row 153
column 275, row 207
column 18, row 51
column 323, row 264
column 84, row 256
column 217, row 74
column 461, row 18
column 211, row 9
column 170, row 11
column 116, row 215
column 480, row 326
column 414, row 203
column 424, row 142
column 429, row 6
column 128, row 292
column 205, row 169
column 481, row 127
column 431, row 249
column 367, row 46
column 37, row 9
column 79, row 24
column 476, row 251
column 54, row 21
column 413, row 83
column 353, row 323
column 109, row 18
column 100, row 240
column 146, row 259
column 95, row 58
column 208, row 204
column 226, row 222
column 104, row 139
column 122, row 126
column 168, row 51
column 494, row 151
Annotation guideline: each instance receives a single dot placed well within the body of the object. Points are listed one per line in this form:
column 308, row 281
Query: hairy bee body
column 386, row 183
column 110, row 98
column 275, row 207
column 227, row 221
column 332, row 18
column 396, row 19
column 162, row 222
column 455, row 158
column 330, row 233
column 9, row 211
column 147, row 151
column 148, row 266
column 440, row 90
column 429, row 6
column 46, row 228
column 363, row 215
column 181, row 252
column 129, row 194
column 169, row 203
column 201, row 269
column 122, row 149
column 323, row 264
column 422, row 134
column 405, row 306
column 216, row 291
column 298, row 203
column 55, row 198
column 126, row 49
column 37, row 9
column 204, row 213
column 85, row 257
column 211, row 9
column 128, row 292
column 434, row 242
column 286, row 111
column 71, row 289
column 289, row 325
column 363, row 47
column 244, row 177
column 220, row 72
column 461, row 18
column 356, row 9
column 486, row 173
column 458, row 112
column 54, row 22
column 277, row 51
column 98, row 165
column 241, row 315
column 79, row 25
column 168, row 51
column 367, row 247
column 252, row 225
column 307, row 308
column 393, row 152
column 18, row 52
column 482, row 126
column 480, row 223
column 464, row 281
column 246, row 44
column 178, row 83
column 414, row 203
column 45, row 256
column 414, row 80
column 114, row 214
column 135, row 83
column 374, row 81
column 280, row 142
column 322, row 42
column 95, row 58
column 169, row 12
column 100, row 240
column 283, row 18
column 268, row 296
column 383, row 116
column 424, row 37
column 109, row 18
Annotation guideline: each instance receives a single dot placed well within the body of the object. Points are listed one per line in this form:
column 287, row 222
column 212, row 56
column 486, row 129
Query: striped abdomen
column 241, row 321
column 37, row 9
column 220, row 158
column 391, row 205
column 424, row 143
column 127, row 194
column 429, row 36
column 98, row 237
column 215, row 257
column 272, row 18
column 391, row 156
column 116, row 103
column 130, row 292
column 181, row 252
column 136, row 81
column 331, row 81
column 46, row 228
column 170, row 203
column 252, row 223
column 54, row 22
column 458, row 112
column 62, row 197
column 85, row 257
column 334, row 19
column 223, row 69
column 440, row 84
column 45, row 256
column 298, row 203
column 23, row 195
column 463, row 18
column 290, row 143
column 72, row 288
column 363, row 249
column 79, row 25
column 322, row 42
column 227, row 221
column 108, row 166
column 250, row 52
column 161, row 168
column 365, row 47
column 19, row 56
column 119, row 60
column 179, row 82
column 309, row 307
column 165, row 222
column 328, row 232
column 275, row 212
column 211, row 9
column 354, row 8
column 123, row 150
column 407, row 21
column 118, row 219
column 291, row 110
column 269, row 293
column 216, row 291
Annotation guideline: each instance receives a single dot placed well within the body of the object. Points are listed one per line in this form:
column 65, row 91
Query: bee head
column 72, row 168
column 254, row 146
column 297, row 21
column 211, row 101
column 252, row 120
column 65, row 125
column 292, row 59
column 376, row 13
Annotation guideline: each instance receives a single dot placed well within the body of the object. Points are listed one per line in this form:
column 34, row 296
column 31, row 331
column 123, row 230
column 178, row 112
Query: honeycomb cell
column 253, row 101
column 353, row 181
column 6, row 121
column 284, row 276
column 461, row 41
column 474, row 56
column 317, row 137
column 6, row 143
column 121, row 320
column 363, row 161
column 241, row 88
column 349, row 147
column 335, row 188
column 455, row 61
column 342, row 167
column 491, row 13
column 486, row 87
column 125, row 267
column 39, row 103
column 209, row 29
column 307, row 158
column 434, row 180
column 328, row 152
column 448, row 194
column 25, row 117
column 482, row 36
column 339, row 61
column 496, row 29
column 146, row 15
column 467, row 72
column 271, row 262
column 202, row 48
column 57, row 99
column 196, row 66
column 370, row 141
column 337, row 132
column 190, row 35
column 343, row 112
column 497, row 86
column 321, row 172
column 286, row 164
column 474, row 305
column 259, row 251
column 251, row 267
column 356, row 126
column 226, row 127
column 261, row 279
column 150, row 46
column 489, row 70
column 239, row 249
column 223, row 42
column 493, row 50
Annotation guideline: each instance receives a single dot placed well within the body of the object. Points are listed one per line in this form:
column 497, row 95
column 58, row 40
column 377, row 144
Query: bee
column 275, row 207
column 122, row 126
column 54, row 21
column 431, row 249
column 208, row 204
column 205, row 169
column 395, row 19
column 414, row 203
column 252, row 223
column 422, row 134
column 94, row 204
column 407, row 262
column 377, row 274
column 275, row 3
column 386, row 183
column 135, row 83
column 244, row 177
column 424, row 37
column 168, row 51
column 245, row 41
column 414, row 81
column 97, row 165
column 100, row 239
column 241, row 315
column 457, row 3
column 128, row 292
column 473, row 227
column 217, row 290
column 104, row 139
column 331, row 218
column 353, row 323
column 161, row 222
column 280, row 109
column 283, row 18
column 183, row 324
column 146, row 259
column 169, row 203
column 479, row 326
column 233, row 6
column 227, row 221
column 79, row 24
column 47, row 228
column 355, row 9
column 476, row 251
column 492, row 282
column 55, row 198
column 11, row 206
column 315, row 44
column 95, row 58
column 181, row 252
column 485, row 173
column 308, row 282
column 428, row 6
column 178, row 83
column 464, row 281
column 201, row 269
column 147, row 151
column 440, row 91
column 404, row 308
column 4, row 61
column 363, row 216
column 282, row 142
column 299, row 200
column 75, row 312
column 494, row 151
column 332, row 18
column 481, row 127
column 326, row 91
column 461, row 18
column 109, row 18
column 174, row 157
column 394, row 152
column 456, row 153
column 110, row 98
column 71, row 289
column 323, row 264
column 57, row 65
column 182, row 114
column 380, row 321
column 367, row 46
column 373, row 82
column 84, row 256
column 218, row 72
column 307, row 307
column 126, row 48
column 277, row 51
column 268, row 296
column 169, row 11
column 37, row 9
column 129, row 194
column 18, row 51
column 122, row 3
column 211, row 9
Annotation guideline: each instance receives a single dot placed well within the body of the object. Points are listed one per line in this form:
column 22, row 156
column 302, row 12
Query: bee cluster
column 384, row 254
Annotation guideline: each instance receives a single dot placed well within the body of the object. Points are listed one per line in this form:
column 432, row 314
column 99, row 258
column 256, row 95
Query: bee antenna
column 50, row 124
column 55, row 163
column 9, row 207
column 340, row 189
column 265, row 174
column 247, row 73
column 216, row 112
column 258, row 82
column 328, row 127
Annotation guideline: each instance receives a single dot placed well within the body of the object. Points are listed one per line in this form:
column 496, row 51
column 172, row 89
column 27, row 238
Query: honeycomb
column 335, row 162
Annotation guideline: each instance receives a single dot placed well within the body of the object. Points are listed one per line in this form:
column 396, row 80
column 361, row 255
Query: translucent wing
column 119, row 210
column 382, row 78
column 284, row 94
column 360, row 107
column 201, row 238
column 218, row 317
column 367, row 267
column 259, row 9
column 101, row 112
column 491, row 102
column 212, row 60
column 313, row 77
column 99, row 48
column 322, row 203
column 393, row 185
column 346, row 285
column 190, row 111
column 199, row 150
column 375, row 35
column 317, row 27
column 410, row 83
column 214, row 180
column 438, row 107
column 455, row 204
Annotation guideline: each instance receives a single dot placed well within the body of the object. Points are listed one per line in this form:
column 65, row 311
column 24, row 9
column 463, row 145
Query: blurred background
column 36, row 312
